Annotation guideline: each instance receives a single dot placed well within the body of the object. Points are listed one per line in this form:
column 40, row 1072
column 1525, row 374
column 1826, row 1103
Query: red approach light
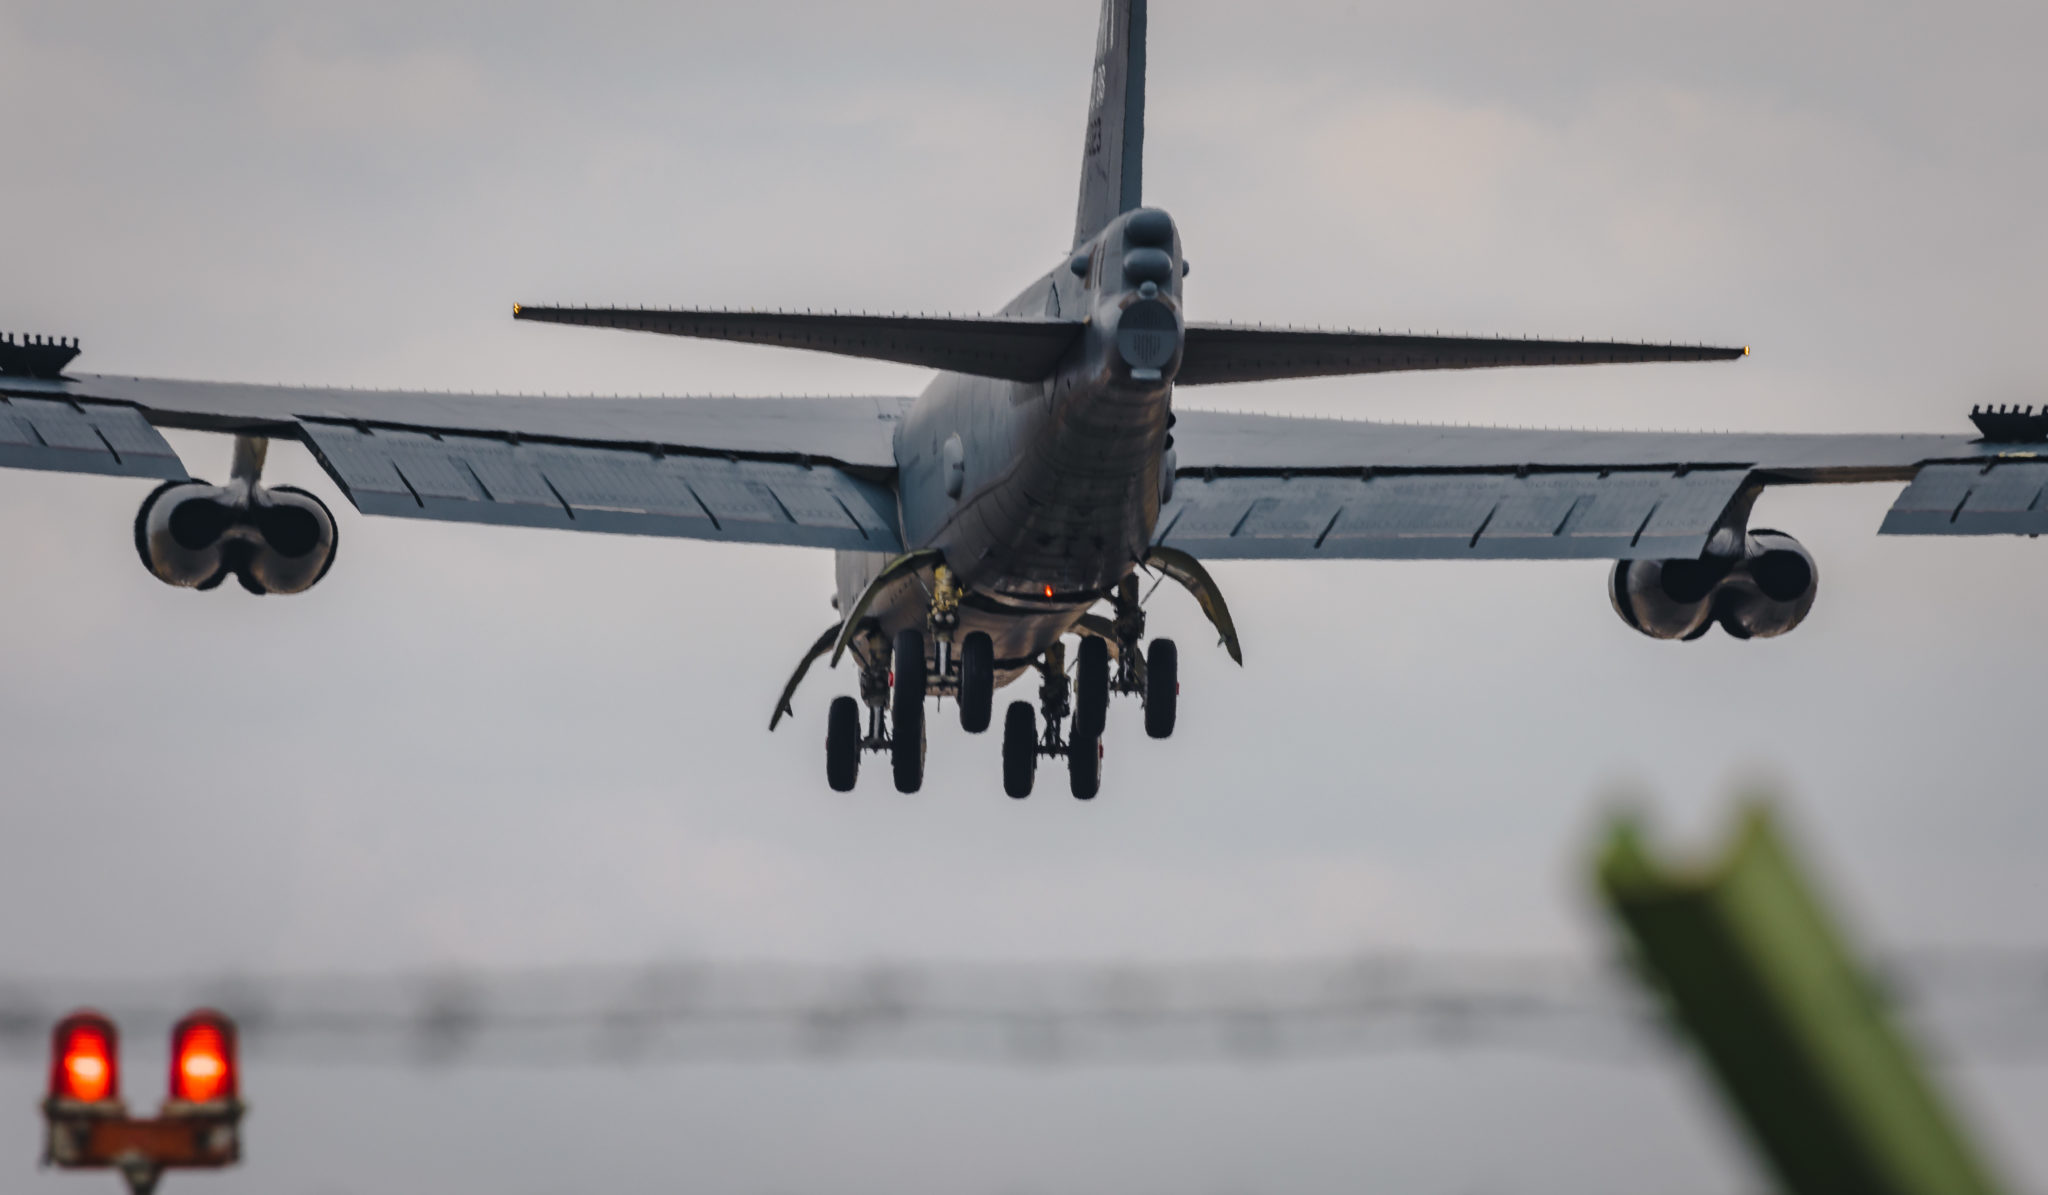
column 85, row 1063
column 203, row 1066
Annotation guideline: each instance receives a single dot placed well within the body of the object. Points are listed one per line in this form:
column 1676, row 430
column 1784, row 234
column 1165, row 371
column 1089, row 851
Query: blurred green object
column 1796, row 1032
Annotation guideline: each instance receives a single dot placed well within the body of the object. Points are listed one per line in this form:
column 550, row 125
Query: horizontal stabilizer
column 1218, row 353
column 1019, row 350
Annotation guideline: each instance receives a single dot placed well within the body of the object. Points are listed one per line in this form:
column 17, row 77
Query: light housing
column 85, row 1060
column 204, row 1066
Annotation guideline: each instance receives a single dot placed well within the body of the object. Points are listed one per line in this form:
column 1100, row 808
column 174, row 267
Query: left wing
column 815, row 472
column 1266, row 487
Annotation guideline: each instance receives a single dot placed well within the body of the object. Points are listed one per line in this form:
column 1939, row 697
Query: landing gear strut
column 1023, row 744
column 1151, row 674
column 845, row 741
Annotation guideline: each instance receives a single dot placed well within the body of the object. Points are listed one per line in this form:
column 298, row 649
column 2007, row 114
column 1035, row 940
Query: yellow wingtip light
column 1745, row 348
column 516, row 309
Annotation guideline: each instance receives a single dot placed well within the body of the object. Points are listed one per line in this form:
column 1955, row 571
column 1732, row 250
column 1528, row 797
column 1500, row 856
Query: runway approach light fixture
column 203, row 1060
column 87, row 1126
column 84, row 1062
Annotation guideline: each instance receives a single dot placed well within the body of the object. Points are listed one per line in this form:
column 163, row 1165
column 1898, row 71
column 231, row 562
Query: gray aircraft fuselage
column 1043, row 495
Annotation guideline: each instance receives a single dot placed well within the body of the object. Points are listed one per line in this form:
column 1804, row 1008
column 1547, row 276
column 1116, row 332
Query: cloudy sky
column 491, row 747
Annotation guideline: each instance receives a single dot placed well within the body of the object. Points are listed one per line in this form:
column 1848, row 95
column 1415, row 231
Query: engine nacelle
column 1772, row 591
column 273, row 540
column 1765, row 592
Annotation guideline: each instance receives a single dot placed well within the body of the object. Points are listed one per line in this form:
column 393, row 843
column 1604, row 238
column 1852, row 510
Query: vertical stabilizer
column 1113, row 158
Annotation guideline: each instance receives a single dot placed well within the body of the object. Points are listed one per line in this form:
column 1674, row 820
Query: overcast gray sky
column 485, row 746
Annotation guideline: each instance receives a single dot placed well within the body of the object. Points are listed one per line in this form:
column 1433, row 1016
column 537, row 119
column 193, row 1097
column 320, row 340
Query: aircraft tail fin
column 1113, row 157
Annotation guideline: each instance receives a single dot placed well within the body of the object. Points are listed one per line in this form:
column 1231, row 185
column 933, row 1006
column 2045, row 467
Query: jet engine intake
column 272, row 539
column 1763, row 593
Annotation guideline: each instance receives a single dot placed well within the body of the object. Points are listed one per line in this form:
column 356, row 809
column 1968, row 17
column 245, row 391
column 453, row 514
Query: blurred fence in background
column 1978, row 1005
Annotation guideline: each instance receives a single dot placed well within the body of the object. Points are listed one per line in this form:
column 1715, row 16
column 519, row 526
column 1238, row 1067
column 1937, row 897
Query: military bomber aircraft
column 977, row 526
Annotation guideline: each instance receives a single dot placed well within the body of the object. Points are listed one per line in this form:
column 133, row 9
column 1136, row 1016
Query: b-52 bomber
column 979, row 525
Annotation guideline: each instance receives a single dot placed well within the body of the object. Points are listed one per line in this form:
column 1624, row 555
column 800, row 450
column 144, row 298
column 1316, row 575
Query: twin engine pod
column 274, row 540
column 1765, row 592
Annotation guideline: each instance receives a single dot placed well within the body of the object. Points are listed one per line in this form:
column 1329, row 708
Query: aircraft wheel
column 842, row 744
column 1162, row 687
column 1084, row 766
column 1020, row 749
column 1091, row 688
column 977, row 682
column 906, row 753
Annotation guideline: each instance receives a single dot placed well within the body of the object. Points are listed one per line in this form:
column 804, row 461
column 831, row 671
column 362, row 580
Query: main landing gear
column 1108, row 662
column 894, row 684
column 893, row 687
column 899, row 674
column 1022, row 743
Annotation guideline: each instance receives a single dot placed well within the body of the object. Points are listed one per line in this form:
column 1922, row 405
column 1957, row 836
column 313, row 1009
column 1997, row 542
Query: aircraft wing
column 1269, row 487
column 815, row 472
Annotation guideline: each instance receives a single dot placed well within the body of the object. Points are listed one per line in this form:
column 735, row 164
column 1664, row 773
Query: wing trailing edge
column 1014, row 349
column 1220, row 353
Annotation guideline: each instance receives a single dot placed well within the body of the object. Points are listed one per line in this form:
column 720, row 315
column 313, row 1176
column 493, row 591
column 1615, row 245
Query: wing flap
column 1007, row 347
column 2007, row 496
column 1218, row 353
column 1613, row 515
column 478, row 479
column 68, row 437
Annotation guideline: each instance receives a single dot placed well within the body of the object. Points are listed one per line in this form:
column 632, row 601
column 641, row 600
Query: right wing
column 1267, row 487
column 816, row 472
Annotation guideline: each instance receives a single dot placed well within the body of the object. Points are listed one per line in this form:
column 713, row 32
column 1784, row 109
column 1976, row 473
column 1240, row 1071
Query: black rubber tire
column 1020, row 749
column 1084, row 766
column 977, row 682
column 1091, row 688
column 842, row 745
column 906, row 713
column 1162, row 688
